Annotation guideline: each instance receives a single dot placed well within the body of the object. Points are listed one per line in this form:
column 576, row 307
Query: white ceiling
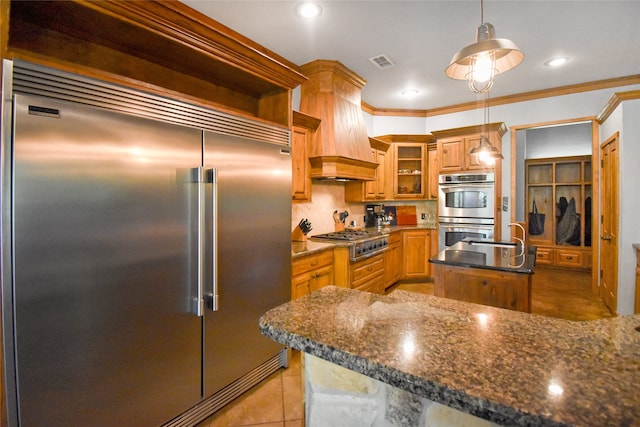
column 602, row 38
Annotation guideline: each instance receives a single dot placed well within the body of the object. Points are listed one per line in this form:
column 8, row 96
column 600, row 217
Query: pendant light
column 485, row 151
column 481, row 61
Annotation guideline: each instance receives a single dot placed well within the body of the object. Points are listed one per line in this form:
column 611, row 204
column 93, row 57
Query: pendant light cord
column 481, row 12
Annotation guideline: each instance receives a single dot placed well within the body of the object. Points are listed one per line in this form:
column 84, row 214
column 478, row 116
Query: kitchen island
column 486, row 272
column 405, row 358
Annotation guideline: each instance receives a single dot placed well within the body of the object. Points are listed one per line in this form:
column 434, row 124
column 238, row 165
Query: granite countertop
column 508, row 367
column 481, row 254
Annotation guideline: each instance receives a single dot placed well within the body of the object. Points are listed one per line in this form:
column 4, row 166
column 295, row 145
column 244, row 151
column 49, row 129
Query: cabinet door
column 301, row 181
column 409, row 171
column 381, row 175
column 450, row 153
column 471, row 160
column 322, row 277
column 416, row 247
column 300, row 285
column 393, row 262
column 432, row 156
column 371, row 187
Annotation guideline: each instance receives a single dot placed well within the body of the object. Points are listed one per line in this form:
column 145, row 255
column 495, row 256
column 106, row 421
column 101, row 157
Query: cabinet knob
column 485, row 283
column 569, row 258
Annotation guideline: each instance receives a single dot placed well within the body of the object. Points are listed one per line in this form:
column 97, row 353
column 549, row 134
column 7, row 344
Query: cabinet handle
column 569, row 258
column 485, row 283
column 314, row 263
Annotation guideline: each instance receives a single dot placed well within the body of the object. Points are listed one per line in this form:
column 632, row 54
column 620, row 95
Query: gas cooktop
column 362, row 244
column 348, row 235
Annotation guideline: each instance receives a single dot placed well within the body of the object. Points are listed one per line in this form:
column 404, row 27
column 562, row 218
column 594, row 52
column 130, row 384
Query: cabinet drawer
column 395, row 238
column 311, row 262
column 544, row 256
column 569, row 258
column 375, row 285
column 364, row 271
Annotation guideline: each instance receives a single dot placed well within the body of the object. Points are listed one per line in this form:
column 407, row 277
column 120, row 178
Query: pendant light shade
column 485, row 151
column 481, row 61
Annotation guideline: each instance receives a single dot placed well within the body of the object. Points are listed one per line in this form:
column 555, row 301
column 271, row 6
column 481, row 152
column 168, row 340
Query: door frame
column 613, row 139
column 595, row 183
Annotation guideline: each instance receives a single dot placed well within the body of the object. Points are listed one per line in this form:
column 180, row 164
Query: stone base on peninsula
column 336, row 396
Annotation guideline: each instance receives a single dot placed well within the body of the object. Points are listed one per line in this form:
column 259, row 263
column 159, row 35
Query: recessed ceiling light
column 308, row 10
column 556, row 62
column 410, row 92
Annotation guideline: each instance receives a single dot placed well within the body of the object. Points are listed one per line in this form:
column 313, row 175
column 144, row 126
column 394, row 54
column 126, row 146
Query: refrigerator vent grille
column 217, row 401
column 43, row 81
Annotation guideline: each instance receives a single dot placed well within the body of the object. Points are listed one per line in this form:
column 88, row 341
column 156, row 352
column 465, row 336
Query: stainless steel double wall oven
column 466, row 207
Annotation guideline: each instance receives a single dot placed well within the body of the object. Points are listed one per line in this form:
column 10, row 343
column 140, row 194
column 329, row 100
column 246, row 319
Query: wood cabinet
column 365, row 275
column 165, row 48
column 561, row 189
column 434, row 171
column 416, row 251
column 303, row 135
column 393, row 260
column 407, row 167
column 480, row 286
column 368, row 275
column 311, row 272
column 409, row 170
column 378, row 189
column 454, row 146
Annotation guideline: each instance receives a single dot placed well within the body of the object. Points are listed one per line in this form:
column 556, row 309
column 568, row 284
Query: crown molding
column 508, row 99
column 614, row 101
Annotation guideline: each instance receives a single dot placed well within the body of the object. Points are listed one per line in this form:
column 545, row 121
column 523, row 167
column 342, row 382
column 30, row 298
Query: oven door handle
column 465, row 186
column 474, row 227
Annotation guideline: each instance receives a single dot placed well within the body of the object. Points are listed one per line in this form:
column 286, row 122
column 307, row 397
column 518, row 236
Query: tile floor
column 278, row 400
column 275, row 402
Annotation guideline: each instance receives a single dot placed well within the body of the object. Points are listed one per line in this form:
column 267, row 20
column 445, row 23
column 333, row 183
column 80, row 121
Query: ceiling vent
column 383, row 62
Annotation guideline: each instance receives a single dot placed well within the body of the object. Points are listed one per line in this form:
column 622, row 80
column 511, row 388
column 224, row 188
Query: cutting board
column 406, row 215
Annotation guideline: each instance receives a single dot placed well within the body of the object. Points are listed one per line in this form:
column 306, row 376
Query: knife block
column 339, row 226
column 298, row 236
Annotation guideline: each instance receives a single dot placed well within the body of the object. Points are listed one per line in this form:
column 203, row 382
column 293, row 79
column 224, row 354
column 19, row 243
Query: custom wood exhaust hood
column 332, row 94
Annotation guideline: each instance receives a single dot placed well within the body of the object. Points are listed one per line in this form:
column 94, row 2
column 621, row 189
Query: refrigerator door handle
column 212, row 299
column 195, row 201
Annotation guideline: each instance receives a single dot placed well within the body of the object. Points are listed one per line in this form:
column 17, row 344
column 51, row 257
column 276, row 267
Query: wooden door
column 609, row 223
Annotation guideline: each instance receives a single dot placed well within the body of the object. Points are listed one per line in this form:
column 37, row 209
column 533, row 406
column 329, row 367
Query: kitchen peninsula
column 486, row 272
column 404, row 357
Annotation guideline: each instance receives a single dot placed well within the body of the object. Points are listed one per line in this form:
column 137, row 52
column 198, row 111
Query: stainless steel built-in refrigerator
column 127, row 219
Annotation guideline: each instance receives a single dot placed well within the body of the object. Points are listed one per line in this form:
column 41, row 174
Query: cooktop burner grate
column 348, row 235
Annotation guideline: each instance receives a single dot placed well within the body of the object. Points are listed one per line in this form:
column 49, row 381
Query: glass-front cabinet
column 409, row 170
